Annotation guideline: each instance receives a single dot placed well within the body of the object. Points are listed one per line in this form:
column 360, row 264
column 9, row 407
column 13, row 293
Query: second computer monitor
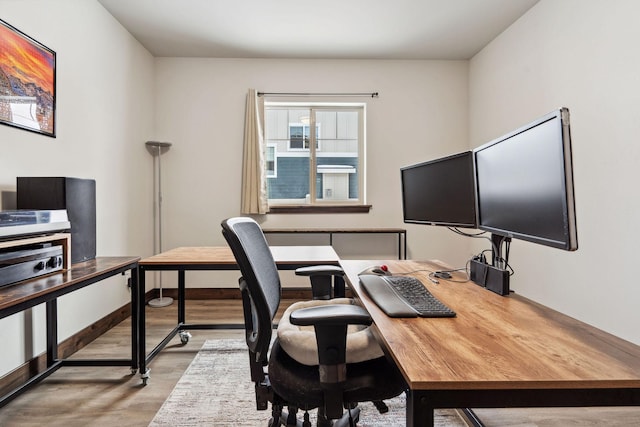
column 440, row 192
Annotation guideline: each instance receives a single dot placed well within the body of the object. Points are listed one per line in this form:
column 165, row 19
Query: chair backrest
column 260, row 282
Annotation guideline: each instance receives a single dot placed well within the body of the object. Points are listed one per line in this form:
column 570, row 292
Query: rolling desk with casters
column 47, row 289
column 212, row 258
column 498, row 352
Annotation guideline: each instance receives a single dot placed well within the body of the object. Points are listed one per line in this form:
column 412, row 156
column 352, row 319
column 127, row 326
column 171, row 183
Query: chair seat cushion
column 299, row 385
column 300, row 341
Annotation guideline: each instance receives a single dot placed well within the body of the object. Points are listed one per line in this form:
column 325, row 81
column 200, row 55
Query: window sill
column 315, row 209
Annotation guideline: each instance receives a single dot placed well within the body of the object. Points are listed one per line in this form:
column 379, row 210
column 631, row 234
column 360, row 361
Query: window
column 270, row 159
column 299, row 135
column 318, row 153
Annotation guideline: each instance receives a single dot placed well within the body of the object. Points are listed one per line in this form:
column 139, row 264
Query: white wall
column 421, row 113
column 572, row 53
column 583, row 55
column 110, row 101
column 104, row 115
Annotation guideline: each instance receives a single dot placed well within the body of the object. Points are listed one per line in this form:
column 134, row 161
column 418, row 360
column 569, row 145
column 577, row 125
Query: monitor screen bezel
column 440, row 222
column 570, row 241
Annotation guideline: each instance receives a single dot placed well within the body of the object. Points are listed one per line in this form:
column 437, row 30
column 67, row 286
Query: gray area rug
column 216, row 390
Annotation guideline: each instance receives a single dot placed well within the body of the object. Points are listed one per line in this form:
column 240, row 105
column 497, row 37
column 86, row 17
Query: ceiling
column 329, row 29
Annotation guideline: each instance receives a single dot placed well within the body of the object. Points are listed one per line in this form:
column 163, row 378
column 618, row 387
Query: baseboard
column 83, row 337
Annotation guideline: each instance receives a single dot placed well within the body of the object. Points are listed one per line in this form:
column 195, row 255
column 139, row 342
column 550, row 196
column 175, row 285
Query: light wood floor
column 111, row 396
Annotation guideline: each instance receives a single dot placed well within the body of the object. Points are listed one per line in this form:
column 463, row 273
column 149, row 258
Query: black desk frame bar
column 421, row 404
column 145, row 358
column 51, row 307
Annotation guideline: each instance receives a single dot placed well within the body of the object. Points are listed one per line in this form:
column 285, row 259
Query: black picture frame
column 27, row 82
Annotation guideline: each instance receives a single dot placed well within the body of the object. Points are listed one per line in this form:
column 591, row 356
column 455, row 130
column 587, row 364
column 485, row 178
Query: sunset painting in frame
column 27, row 82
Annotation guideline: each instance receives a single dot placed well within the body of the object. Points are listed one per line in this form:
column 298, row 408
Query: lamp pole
column 156, row 148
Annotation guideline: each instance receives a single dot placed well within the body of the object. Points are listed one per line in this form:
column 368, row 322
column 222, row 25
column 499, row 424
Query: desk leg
column 402, row 243
column 419, row 413
column 52, row 331
column 181, row 297
column 405, row 244
column 135, row 361
column 339, row 287
column 142, row 351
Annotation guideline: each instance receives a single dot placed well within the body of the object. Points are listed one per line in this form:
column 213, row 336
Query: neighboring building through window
column 315, row 153
column 271, row 163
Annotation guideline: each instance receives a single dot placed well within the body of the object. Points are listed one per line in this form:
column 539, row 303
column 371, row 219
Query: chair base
column 349, row 419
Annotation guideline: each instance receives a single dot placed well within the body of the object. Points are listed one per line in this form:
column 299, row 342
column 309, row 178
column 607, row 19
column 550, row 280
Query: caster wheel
column 184, row 337
column 145, row 377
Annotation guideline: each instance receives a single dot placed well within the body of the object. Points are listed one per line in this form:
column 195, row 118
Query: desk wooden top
column 222, row 256
column 32, row 289
column 496, row 342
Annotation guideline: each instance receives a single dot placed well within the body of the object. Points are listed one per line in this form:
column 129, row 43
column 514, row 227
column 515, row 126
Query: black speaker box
column 77, row 196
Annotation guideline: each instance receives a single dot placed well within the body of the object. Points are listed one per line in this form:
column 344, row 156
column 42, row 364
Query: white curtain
column 254, row 181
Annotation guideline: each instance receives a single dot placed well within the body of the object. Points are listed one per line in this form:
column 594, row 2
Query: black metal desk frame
column 50, row 300
column 425, row 395
column 421, row 404
column 181, row 326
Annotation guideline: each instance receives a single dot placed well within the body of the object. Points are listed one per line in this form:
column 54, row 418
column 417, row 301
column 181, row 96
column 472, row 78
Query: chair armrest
column 325, row 270
column 332, row 314
column 322, row 280
column 330, row 323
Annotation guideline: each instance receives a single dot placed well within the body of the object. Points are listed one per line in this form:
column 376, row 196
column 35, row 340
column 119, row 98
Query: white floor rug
column 216, row 390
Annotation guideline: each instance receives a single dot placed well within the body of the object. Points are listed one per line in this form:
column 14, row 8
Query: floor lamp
column 156, row 148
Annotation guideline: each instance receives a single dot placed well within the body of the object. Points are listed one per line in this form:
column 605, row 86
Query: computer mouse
column 380, row 270
column 442, row 274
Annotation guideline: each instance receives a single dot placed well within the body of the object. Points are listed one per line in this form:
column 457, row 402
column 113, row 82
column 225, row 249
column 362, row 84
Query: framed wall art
column 27, row 82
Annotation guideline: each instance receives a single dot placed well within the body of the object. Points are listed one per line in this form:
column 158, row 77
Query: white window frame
column 311, row 199
column 274, row 147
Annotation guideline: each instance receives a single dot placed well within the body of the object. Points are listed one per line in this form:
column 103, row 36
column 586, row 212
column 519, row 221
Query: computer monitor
column 525, row 183
column 440, row 192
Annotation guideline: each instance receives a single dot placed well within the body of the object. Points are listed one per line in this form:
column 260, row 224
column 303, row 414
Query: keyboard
column 403, row 296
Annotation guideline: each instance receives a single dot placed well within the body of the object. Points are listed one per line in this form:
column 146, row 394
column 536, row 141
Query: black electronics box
column 493, row 278
column 28, row 262
column 77, row 196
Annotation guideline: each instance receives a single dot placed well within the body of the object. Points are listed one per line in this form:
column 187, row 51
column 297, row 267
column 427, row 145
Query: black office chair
column 336, row 380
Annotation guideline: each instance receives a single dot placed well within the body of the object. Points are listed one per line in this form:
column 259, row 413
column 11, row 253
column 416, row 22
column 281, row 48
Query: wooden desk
column 46, row 289
column 499, row 352
column 211, row 258
column 400, row 232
